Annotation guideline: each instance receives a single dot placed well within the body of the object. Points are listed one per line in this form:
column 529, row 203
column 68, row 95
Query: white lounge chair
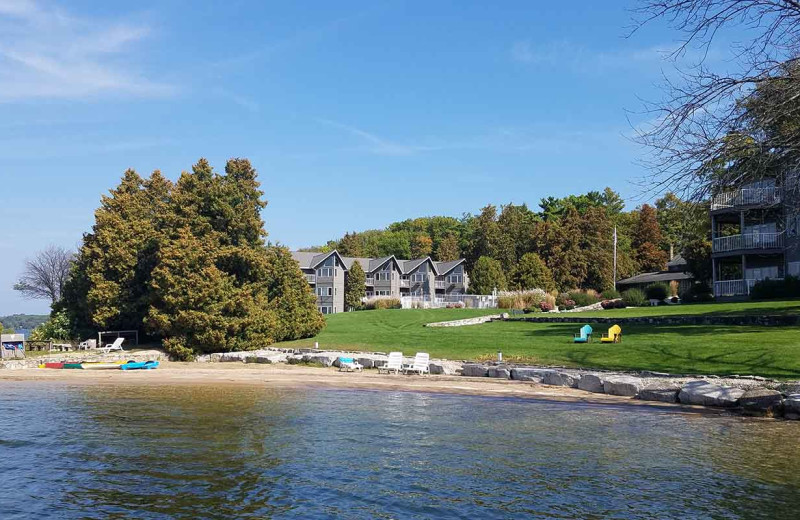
column 348, row 364
column 395, row 363
column 117, row 345
column 420, row 365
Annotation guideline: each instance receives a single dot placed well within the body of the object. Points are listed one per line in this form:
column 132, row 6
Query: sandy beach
column 289, row 376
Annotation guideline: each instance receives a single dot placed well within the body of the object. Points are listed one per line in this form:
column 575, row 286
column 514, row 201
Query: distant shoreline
column 288, row 376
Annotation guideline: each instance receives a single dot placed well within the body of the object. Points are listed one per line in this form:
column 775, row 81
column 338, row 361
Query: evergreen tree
column 350, row 245
column 354, row 288
column 487, row 275
column 532, row 273
column 597, row 244
column 448, row 250
column 647, row 240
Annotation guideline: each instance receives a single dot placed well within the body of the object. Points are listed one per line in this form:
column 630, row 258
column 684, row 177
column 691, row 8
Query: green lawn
column 718, row 309
column 766, row 351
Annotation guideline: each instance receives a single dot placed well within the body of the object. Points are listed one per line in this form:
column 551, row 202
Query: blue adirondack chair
column 584, row 336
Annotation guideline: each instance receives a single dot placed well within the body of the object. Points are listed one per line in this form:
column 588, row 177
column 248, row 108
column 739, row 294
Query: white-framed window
column 418, row 277
column 383, row 293
column 324, row 309
column 384, row 276
column 455, row 278
column 325, row 271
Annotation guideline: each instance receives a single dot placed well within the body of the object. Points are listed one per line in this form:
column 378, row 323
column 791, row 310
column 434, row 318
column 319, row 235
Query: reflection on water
column 223, row 452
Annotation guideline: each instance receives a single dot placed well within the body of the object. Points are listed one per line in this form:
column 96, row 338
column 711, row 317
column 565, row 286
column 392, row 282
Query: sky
column 355, row 114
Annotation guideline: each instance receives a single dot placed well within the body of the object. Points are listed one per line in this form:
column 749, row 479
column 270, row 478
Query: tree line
column 567, row 244
column 187, row 263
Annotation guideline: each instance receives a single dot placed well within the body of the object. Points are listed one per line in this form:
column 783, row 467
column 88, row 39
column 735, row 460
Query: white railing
column 311, row 278
column 475, row 301
column 369, row 281
column 748, row 241
column 405, row 283
column 440, row 284
column 746, row 197
column 735, row 287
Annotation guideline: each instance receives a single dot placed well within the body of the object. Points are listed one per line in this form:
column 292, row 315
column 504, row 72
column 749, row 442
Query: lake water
column 229, row 451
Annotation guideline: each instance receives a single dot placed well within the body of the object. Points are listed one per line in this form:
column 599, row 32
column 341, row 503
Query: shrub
column 699, row 292
column 520, row 299
column 57, row 327
column 456, row 305
column 382, row 302
column 550, row 299
column 674, row 299
column 657, row 291
column 582, row 299
column 634, row 298
column 769, row 289
column 546, row 306
column 610, row 294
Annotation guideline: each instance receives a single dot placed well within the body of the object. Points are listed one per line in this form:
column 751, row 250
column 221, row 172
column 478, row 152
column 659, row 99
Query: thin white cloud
column 376, row 144
column 46, row 52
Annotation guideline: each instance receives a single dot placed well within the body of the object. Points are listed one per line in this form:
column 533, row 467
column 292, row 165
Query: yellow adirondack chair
column 614, row 335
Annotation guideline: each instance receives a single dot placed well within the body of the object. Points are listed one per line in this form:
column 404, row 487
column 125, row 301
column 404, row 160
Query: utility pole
column 615, row 258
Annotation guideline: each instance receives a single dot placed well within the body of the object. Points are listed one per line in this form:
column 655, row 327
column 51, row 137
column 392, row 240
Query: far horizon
column 458, row 106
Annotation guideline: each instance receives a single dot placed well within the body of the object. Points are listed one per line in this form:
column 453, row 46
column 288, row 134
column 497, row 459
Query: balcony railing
column 369, row 281
column 311, row 278
column 440, row 284
column 748, row 241
column 747, row 197
column 405, row 283
column 735, row 287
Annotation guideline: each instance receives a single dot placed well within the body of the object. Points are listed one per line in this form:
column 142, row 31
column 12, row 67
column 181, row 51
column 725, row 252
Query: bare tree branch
column 705, row 116
column 45, row 274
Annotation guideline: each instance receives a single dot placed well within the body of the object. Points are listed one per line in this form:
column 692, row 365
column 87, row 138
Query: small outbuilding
column 12, row 346
column 676, row 271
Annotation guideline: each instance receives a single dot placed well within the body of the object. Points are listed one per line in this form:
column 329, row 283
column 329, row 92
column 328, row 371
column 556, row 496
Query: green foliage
column 697, row 253
column 532, row 273
column 382, row 302
column 23, row 321
column 657, row 291
column 634, row 297
column 56, row 328
column 611, row 294
column 6, row 330
column 354, row 289
column 448, row 250
column 698, row 292
column 487, row 276
column 789, row 287
column 188, row 264
column 582, row 298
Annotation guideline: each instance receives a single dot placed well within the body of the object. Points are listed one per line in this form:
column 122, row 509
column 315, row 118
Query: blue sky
column 356, row 114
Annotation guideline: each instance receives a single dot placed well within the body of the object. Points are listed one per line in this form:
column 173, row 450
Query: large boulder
column 622, row 385
column 664, row 392
column 709, row 394
column 366, row 362
column 499, row 372
column 591, row 383
column 325, row 360
column 528, row 374
column 761, row 401
column 791, row 406
column 447, row 368
column 475, row 370
column 558, row 378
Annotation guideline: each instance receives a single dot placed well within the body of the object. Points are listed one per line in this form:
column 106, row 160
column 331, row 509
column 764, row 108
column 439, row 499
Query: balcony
column 747, row 197
column 369, row 281
column 441, row 284
column 727, row 288
column 748, row 241
column 311, row 278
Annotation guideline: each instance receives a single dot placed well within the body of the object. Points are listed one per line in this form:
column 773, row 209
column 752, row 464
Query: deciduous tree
column 44, row 275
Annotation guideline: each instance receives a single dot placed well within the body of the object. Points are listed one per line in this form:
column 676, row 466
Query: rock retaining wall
column 670, row 320
column 467, row 321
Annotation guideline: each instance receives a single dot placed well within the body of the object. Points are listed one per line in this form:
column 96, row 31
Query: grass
column 717, row 309
column 766, row 351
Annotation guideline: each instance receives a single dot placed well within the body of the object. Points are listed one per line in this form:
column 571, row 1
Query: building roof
column 310, row 259
column 658, row 276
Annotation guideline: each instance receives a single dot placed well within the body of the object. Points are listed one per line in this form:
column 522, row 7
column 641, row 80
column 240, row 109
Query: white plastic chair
column 420, row 365
column 117, row 345
column 394, row 363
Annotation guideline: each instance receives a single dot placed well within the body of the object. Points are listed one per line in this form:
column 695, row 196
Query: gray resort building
column 754, row 232
column 677, row 271
column 422, row 278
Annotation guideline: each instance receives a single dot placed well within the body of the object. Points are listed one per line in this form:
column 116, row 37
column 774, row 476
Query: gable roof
column 311, row 259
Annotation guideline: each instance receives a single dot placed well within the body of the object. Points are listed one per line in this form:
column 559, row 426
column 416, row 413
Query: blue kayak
column 139, row 365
